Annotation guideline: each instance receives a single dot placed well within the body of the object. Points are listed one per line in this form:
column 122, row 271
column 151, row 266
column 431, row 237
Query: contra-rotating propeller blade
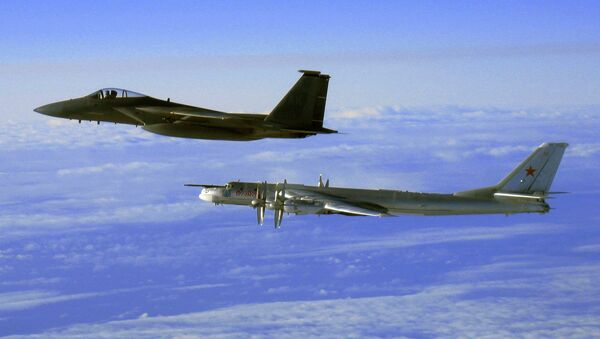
column 278, row 204
column 260, row 202
column 277, row 217
column 260, row 215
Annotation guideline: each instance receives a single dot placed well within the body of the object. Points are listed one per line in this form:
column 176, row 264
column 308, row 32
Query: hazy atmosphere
column 99, row 237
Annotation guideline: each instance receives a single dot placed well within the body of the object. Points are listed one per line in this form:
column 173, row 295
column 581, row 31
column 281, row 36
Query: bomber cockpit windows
column 115, row 93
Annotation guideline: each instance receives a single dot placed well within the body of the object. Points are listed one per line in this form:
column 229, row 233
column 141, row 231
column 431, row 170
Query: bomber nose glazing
column 206, row 195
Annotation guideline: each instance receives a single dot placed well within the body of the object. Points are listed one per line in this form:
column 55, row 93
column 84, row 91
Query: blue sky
column 98, row 237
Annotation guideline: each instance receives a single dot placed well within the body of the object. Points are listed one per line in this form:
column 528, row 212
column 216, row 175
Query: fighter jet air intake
column 524, row 190
column 298, row 115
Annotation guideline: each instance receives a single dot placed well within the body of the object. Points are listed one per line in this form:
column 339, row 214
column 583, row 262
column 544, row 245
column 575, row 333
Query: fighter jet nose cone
column 45, row 109
column 50, row 109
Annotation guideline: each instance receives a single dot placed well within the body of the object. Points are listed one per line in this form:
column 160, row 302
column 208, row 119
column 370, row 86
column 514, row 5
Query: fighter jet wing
column 184, row 113
column 151, row 114
column 336, row 204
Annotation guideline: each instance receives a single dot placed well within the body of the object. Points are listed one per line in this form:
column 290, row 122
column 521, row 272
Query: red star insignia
column 530, row 171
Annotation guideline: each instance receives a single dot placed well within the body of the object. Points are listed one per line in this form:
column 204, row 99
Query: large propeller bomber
column 524, row 190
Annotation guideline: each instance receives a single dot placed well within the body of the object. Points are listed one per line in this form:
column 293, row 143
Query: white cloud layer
column 21, row 300
column 457, row 309
column 29, row 224
column 426, row 237
column 110, row 167
column 81, row 203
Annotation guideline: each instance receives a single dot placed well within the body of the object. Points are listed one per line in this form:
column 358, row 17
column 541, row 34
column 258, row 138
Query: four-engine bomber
column 524, row 190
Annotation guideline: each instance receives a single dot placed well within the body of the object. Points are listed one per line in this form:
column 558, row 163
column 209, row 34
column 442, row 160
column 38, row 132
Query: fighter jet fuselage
column 299, row 114
column 524, row 190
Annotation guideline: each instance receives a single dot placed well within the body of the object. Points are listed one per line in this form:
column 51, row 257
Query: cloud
column 435, row 277
column 201, row 60
column 199, row 287
column 262, row 272
column 65, row 134
column 33, row 281
column 126, row 167
column 27, row 224
column 27, row 299
column 593, row 248
column 585, row 150
column 21, row 300
column 425, row 237
column 341, row 150
column 502, row 150
column 453, row 309
column 357, row 113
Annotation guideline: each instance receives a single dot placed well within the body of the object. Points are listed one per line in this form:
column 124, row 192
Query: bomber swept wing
column 335, row 204
column 345, row 208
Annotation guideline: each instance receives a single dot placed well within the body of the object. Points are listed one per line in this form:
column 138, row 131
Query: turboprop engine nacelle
column 303, row 208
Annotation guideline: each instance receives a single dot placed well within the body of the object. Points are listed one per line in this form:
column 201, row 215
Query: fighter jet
column 524, row 190
column 298, row 115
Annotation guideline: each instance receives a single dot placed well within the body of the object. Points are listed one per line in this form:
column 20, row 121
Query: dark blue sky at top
column 98, row 236
column 114, row 28
column 521, row 53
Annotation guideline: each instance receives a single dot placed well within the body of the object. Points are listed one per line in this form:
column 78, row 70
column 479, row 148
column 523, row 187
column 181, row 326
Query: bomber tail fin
column 303, row 107
column 536, row 173
column 532, row 178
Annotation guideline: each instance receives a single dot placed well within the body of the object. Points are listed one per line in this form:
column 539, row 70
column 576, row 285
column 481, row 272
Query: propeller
column 260, row 202
column 278, row 217
column 278, row 202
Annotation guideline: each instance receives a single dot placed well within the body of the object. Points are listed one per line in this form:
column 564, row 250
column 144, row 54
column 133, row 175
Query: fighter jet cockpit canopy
column 115, row 93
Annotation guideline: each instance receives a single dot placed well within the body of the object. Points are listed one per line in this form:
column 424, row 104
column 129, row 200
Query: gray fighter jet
column 298, row 115
column 524, row 190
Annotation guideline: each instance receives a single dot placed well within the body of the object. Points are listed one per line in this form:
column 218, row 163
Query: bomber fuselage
column 390, row 202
